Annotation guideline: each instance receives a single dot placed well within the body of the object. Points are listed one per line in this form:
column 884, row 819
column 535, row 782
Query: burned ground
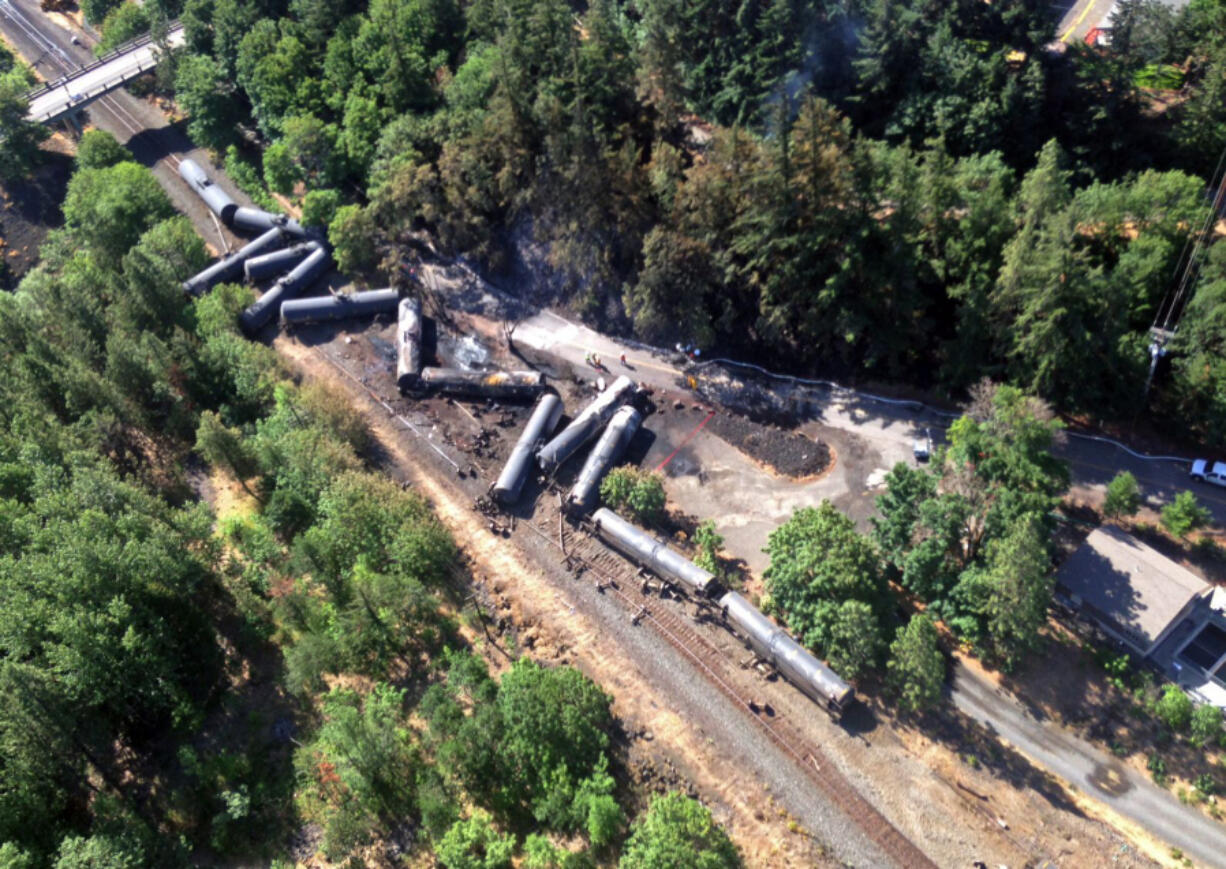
column 29, row 209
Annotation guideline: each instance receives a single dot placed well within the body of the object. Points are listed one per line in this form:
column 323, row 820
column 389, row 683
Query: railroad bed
column 582, row 552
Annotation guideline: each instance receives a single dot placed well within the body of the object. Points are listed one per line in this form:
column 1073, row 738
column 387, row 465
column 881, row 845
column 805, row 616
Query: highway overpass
column 72, row 92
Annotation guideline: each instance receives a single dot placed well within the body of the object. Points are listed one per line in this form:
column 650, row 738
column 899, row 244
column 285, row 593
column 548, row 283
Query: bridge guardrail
column 92, row 94
column 126, row 48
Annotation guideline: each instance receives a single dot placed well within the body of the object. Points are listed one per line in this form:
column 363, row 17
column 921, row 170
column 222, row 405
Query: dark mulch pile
column 786, row 452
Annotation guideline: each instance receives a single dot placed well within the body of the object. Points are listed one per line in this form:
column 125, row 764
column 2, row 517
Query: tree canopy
column 826, row 579
column 678, row 831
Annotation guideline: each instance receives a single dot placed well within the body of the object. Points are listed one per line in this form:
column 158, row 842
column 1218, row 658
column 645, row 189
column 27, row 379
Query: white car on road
column 1206, row 473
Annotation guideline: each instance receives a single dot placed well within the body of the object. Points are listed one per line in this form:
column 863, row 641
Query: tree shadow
column 981, row 747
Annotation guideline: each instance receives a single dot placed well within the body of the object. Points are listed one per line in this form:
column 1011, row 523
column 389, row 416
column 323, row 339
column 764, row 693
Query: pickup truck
column 1206, row 473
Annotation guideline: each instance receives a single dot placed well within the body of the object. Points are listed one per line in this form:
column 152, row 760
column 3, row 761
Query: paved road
column 82, row 87
column 1082, row 16
column 1093, row 772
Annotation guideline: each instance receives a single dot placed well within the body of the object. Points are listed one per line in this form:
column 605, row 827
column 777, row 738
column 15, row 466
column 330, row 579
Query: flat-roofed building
column 1134, row 592
column 1155, row 606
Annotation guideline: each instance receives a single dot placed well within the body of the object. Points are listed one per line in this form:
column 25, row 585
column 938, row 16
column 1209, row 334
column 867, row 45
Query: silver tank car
column 585, row 426
column 228, row 269
column 541, row 423
column 258, row 220
column 278, row 262
column 483, row 384
column 190, row 171
column 641, row 548
column 218, row 201
column 408, row 344
column 786, row 655
column 321, row 309
column 617, row 436
column 290, row 285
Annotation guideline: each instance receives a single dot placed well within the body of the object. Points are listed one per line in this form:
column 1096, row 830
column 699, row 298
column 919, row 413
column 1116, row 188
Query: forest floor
column 920, row 782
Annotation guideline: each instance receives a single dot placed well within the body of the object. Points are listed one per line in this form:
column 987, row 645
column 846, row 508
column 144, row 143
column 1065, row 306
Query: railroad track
column 615, row 576
column 583, row 552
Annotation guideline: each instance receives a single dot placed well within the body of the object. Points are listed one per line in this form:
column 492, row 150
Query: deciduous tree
column 1184, row 515
column 678, row 831
column 1123, row 496
column 819, row 563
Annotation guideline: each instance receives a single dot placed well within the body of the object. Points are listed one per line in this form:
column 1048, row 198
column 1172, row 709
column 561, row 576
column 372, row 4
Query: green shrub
column 708, row 541
column 248, row 178
column 319, row 207
column 99, row 149
column 123, row 23
column 1157, row 769
column 1123, row 496
column 638, row 492
column 1206, row 725
column 474, row 844
column 1184, row 515
column 1174, row 709
column 352, row 234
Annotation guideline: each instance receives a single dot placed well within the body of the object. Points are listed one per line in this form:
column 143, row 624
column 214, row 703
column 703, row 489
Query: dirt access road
column 889, row 436
column 887, row 428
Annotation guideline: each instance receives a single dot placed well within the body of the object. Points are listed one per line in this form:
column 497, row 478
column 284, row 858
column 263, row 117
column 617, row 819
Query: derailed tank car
column 408, row 344
column 278, row 262
column 642, row 548
column 541, row 423
column 258, row 220
column 290, row 285
column 617, row 436
column 786, row 655
column 585, row 426
column 218, row 201
column 228, row 268
column 322, row 309
column 483, row 384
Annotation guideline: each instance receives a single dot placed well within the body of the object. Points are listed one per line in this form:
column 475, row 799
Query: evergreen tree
column 916, row 666
column 1123, row 496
